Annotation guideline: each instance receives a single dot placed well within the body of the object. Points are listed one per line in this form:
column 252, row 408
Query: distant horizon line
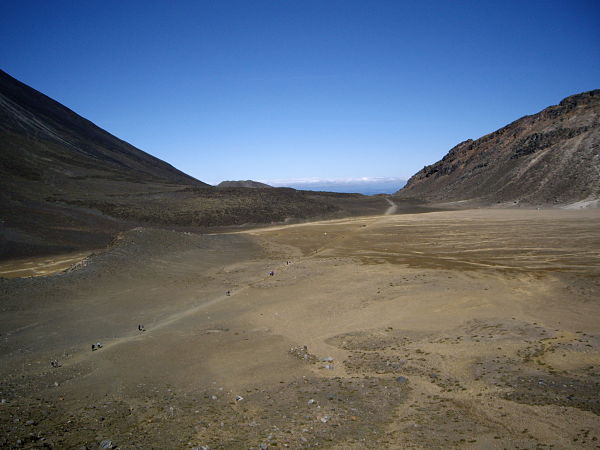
column 321, row 181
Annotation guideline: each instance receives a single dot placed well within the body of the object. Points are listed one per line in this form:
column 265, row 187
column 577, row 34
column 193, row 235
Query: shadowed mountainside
column 66, row 184
column 552, row 157
column 43, row 140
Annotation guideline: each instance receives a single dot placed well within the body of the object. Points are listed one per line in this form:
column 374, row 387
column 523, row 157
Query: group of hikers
column 271, row 274
column 98, row 345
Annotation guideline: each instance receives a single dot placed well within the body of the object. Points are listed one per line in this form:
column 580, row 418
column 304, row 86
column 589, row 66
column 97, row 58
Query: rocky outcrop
column 552, row 157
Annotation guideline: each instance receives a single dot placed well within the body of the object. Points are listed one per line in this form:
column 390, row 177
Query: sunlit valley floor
column 474, row 329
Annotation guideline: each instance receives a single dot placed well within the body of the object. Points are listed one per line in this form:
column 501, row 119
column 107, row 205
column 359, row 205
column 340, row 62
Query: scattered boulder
column 303, row 354
column 106, row 443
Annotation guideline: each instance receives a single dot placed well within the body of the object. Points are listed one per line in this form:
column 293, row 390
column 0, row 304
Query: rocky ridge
column 552, row 157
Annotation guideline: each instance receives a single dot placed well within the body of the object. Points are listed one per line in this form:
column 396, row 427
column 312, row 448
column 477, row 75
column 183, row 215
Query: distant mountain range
column 242, row 183
column 365, row 186
column 552, row 157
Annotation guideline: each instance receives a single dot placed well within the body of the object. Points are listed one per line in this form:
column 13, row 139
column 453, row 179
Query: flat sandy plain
column 458, row 329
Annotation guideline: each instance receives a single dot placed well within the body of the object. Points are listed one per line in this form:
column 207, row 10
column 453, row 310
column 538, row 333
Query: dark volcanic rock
column 547, row 158
column 55, row 165
column 43, row 140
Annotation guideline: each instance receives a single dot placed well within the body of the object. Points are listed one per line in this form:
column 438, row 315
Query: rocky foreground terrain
column 444, row 329
column 549, row 158
column 67, row 185
column 463, row 329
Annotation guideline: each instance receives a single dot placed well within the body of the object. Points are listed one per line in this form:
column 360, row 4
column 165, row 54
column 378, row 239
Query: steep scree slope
column 552, row 157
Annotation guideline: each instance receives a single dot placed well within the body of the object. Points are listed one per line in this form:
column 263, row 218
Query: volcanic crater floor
column 455, row 329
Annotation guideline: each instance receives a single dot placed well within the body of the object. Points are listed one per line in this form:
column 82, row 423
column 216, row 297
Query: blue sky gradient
column 302, row 89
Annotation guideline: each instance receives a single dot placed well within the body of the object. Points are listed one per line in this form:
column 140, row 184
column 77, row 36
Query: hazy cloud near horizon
column 362, row 185
column 336, row 181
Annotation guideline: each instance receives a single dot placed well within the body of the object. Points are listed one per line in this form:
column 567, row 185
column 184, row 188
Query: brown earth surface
column 455, row 329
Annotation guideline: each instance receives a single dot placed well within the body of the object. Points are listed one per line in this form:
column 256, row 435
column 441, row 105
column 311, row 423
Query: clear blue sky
column 287, row 89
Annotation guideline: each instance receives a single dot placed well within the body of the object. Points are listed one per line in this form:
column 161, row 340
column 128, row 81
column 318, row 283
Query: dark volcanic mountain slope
column 43, row 140
column 242, row 183
column 549, row 157
column 66, row 184
column 53, row 163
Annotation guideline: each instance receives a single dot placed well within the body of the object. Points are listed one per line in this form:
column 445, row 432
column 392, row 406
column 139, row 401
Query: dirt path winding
column 392, row 209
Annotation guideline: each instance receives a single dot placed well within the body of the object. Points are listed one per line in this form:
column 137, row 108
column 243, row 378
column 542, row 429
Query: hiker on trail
column 141, row 328
column 271, row 273
column 228, row 293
